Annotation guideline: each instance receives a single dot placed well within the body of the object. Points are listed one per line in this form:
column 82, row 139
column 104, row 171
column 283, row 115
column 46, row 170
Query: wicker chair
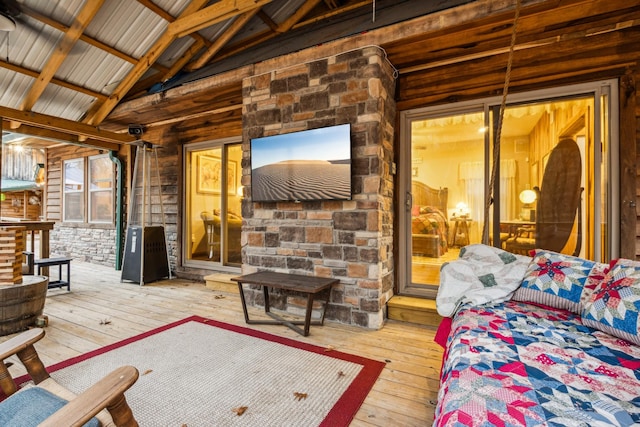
column 558, row 205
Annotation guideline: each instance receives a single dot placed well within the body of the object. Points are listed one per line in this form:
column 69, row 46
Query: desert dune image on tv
column 306, row 165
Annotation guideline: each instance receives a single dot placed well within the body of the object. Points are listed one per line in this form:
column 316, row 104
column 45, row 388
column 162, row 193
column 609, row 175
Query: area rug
column 201, row 372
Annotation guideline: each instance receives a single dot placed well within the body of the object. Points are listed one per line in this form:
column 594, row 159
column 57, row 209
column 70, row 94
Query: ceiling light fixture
column 7, row 23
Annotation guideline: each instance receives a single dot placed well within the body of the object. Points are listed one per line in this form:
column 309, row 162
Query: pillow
column 615, row 304
column 555, row 280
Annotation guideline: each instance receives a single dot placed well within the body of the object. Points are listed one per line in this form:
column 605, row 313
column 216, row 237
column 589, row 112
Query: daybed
column 551, row 340
column 429, row 225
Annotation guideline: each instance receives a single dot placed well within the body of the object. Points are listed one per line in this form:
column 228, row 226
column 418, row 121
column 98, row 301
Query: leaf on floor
column 299, row 396
column 148, row 371
column 240, row 410
column 105, row 322
column 219, row 297
column 329, row 348
column 341, row 374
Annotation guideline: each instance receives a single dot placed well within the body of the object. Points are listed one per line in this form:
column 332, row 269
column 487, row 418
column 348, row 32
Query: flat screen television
column 302, row 166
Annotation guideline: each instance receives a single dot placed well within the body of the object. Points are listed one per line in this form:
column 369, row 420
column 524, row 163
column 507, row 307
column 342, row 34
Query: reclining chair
column 47, row 403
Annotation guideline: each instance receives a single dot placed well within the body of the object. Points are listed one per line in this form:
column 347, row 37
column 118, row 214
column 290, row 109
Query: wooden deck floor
column 100, row 310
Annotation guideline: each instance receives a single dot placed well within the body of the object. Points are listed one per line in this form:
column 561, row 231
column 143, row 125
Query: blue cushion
column 30, row 407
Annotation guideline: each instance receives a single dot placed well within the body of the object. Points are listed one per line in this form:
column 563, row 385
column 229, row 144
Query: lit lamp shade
column 528, row 197
column 462, row 209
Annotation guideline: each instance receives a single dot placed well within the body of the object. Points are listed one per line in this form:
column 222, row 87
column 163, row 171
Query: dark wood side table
column 309, row 285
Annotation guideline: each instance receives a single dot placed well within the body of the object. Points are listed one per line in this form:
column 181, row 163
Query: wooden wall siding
column 17, row 205
column 349, row 240
column 20, row 164
column 569, row 49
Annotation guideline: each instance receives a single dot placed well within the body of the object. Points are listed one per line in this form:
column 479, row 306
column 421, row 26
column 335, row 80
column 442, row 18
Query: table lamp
column 528, row 197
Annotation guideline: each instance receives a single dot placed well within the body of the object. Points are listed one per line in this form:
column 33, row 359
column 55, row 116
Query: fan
column 9, row 12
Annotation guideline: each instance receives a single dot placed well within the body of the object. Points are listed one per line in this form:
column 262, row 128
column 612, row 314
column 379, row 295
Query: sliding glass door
column 213, row 195
column 552, row 183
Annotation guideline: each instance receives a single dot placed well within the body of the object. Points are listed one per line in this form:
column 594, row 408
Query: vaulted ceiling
column 66, row 64
column 72, row 71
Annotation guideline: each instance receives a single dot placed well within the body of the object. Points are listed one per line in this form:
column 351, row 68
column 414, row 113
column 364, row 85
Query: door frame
column 598, row 89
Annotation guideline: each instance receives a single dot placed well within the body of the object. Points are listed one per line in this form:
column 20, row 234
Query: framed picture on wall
column 208, row 175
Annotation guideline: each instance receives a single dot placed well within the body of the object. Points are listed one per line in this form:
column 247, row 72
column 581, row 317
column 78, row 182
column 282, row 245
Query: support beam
column 62, row 50
column 64, row 125
column 52, row 138
column 217, row 12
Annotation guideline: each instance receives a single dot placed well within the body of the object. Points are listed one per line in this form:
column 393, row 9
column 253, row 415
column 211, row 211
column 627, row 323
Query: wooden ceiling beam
column 217, row 12
column 63, row 125
column 62, row 50
column 99, row 111
column 233, row 29
column 302, row 11
column 273, row 32
column 54, row 137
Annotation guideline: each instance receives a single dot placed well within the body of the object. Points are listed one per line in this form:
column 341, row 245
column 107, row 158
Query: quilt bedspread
column 515, row 364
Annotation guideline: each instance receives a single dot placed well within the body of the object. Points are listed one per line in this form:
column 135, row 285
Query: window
column 73, row 204
column 98, row 191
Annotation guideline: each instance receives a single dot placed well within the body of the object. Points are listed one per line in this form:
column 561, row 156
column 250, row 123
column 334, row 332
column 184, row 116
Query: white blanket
column 480, row 275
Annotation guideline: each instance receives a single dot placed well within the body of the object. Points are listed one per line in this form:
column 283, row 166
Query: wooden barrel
column 21, row 304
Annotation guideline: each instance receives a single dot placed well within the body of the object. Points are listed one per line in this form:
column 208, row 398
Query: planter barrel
column 21, row 304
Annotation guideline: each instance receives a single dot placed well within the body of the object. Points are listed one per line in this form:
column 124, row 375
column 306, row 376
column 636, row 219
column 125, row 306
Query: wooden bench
column 309, row 285
column 50, row 262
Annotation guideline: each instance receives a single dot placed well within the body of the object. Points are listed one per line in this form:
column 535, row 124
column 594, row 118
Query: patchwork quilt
column 517, row 364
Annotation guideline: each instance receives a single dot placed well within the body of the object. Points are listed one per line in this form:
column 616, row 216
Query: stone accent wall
column 349, row 240
column 94, row 245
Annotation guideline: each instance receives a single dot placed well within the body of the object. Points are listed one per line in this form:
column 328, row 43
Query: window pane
column 74, row 206
column 73, row 175
column 100, row 172
column 101, row 206
column 73, row 197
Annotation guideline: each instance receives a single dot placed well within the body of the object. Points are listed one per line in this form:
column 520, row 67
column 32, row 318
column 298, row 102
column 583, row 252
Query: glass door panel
column 447, row 191
column 546, row 151
column 213, row 198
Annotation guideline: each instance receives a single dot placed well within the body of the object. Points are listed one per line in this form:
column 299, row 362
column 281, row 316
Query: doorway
column 213, row 196
column 446, row 162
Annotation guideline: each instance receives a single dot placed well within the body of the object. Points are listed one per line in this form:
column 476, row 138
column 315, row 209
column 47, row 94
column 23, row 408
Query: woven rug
column 200, row 372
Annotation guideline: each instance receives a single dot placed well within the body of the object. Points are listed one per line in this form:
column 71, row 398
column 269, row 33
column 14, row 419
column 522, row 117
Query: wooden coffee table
column 309, row 285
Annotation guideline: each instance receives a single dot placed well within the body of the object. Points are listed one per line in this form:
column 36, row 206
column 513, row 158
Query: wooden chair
column 104, row 400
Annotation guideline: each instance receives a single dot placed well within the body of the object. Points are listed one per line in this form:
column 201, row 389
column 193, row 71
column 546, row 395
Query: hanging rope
column 496, row 147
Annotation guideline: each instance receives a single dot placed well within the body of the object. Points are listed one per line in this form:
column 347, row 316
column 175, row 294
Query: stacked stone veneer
column 94, row 245
column 348, row 240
